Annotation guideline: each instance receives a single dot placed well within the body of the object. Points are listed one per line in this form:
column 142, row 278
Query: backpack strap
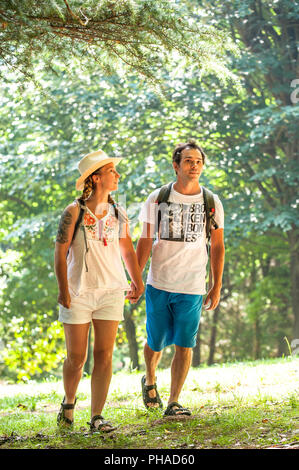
column 80, row 217
column 82, row 207
column 163, row 196
column 164, row 193
column 209, row 203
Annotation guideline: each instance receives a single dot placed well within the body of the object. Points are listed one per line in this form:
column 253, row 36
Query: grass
column 234, row 406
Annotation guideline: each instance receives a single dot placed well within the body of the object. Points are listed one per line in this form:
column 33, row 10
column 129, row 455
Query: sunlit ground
column 241, row 381
column 241, row 405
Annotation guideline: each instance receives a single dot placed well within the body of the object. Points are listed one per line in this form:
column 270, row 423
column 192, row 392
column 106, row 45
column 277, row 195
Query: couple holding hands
column 93, row 242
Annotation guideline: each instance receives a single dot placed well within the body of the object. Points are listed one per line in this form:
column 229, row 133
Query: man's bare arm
column 144, row 245
column 217, row 253
column 130, row 259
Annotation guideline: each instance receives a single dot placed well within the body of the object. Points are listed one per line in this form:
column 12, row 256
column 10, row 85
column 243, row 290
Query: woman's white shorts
column 92, row 304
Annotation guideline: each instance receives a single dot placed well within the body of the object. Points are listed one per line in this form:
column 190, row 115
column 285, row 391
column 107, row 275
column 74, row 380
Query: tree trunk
column 196, row 350
column 257, row 339
column 213, row 336
column 131, row 337
column 294, row 263
column 256, row 349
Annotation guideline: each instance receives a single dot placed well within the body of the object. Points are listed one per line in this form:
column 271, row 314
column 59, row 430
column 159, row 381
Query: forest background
column 239, row 100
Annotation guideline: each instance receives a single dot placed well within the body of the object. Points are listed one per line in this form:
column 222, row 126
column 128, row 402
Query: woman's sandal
column 102, row 425
column 146, row 398
column 61, row 418
column 175, row 409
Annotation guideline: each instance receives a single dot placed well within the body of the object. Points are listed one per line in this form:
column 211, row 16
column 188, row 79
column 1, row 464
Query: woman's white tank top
column 100, row 265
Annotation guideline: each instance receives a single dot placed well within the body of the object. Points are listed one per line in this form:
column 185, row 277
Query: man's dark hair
column 191, row 144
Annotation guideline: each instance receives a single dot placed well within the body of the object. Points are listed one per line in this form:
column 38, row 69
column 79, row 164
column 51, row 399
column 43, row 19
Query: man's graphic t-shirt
column 182, row 222
column 179, row 253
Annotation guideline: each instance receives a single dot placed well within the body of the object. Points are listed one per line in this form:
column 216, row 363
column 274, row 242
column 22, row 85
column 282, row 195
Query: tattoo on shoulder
column 64, row 225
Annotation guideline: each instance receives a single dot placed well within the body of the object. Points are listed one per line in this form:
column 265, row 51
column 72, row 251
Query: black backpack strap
column 164, row 193
column 78, row 223
column 209, row 203
column 163, row 196
column 80, row 217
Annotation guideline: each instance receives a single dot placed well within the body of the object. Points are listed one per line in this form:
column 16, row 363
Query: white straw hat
column 90, row 163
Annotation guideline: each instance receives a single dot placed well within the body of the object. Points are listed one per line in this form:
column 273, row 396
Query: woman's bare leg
column 104, row 339
column 76, row 338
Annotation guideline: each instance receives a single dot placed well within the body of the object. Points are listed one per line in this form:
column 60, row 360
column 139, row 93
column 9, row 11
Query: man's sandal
column 98, row 423
column 61, row 418
column 175, row 409
column 146, row 398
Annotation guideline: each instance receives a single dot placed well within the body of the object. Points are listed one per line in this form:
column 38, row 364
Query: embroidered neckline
column 102, row 218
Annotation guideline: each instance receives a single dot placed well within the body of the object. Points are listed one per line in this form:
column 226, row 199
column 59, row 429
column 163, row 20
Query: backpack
column 209, row 204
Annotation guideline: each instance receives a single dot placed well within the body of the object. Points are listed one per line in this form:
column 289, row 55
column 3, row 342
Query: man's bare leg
column 152, row 359
column 179, row 369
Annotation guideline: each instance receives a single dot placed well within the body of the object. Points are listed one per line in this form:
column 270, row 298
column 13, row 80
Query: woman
column 93, row 234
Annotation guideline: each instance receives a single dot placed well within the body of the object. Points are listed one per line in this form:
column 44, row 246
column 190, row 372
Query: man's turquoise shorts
column 171, row 318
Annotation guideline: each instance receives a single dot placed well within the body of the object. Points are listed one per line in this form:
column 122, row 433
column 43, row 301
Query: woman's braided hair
column 89, row 186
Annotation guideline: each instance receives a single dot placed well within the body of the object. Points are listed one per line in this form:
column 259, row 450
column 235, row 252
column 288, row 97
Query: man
column 176, row 278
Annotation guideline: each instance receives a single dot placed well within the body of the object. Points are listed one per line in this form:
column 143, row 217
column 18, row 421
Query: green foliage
column 248, row 135
column 36, row 358
column 120, row 35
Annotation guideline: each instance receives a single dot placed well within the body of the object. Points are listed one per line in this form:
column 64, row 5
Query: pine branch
column 83, row 23
column 7, row 197
column 139, row 30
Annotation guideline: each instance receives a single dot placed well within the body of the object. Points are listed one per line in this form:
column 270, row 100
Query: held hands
column 212, row 298
column 135, row 293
